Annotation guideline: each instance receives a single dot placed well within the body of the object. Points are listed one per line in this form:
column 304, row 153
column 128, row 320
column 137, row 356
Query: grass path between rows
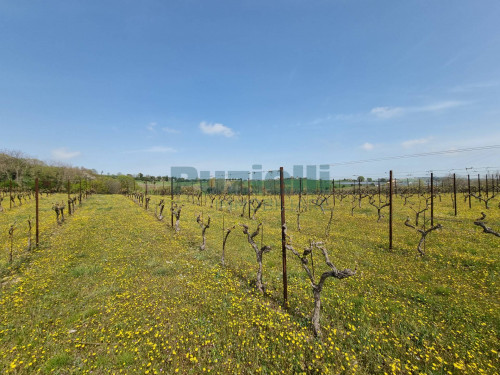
column 116, row 292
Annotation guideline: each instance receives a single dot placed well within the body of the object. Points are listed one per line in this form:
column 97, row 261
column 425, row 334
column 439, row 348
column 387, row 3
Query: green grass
column 114, row 289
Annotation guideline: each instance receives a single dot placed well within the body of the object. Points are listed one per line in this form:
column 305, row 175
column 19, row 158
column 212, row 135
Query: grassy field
column 114, row 290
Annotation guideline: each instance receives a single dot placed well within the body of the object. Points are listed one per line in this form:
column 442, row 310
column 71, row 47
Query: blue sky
column 128, row 86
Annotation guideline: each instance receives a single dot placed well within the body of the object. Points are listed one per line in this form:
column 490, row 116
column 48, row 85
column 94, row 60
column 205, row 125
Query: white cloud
column 474, row 86
column 151, row 126
column 438, row 106
column 390, row 112
column 64, row 154
column 387, row 112
column 414, row 142
column 170, row 130
column 159, row 149
column 216, row 129
column 367, row 146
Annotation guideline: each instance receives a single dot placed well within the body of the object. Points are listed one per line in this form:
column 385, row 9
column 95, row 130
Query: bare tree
column 418, row 209
column 423, row 233
column 484, row 198
column 257, row 205
column 317, row 286
column 243, row 210
column 204, row 228
column 480, row 222
column 11, row 239
column 160, row 207
column 29, row 234
column 59, row 210
column 224, row 240
column 319, row 201
column 176, row 210
column 298, row 220
column 378, row 206
column 328, row 226
column 258, row 252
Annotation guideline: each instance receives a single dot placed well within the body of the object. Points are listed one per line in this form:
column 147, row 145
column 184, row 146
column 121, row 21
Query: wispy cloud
column 414, row 142
column 153, row 149
column 367, row 146
column 216, row 129
column 474, row 86
column 336, row 117
column 64, row 154
column 387, row 112
column 151, row 126
column 159, row 149
column 170, row 130
column 390, row 112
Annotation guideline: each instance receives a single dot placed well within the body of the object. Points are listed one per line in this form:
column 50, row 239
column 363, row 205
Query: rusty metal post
column 36, row 212
column 10, row 193
column 479, row 184
column 80, row 200
column 432, row 199
column 455, row 192
column 390, row 210
column 486, row 183
column 69, row 199
column 378, row 183
column 249, row 197
column 333, row 191
column 283, row 239
column 468, row 185
column 146, row 197
column 359, row 189
column 300, row 191
column 172, row 201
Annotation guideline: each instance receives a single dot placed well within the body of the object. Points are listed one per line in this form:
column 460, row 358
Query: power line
column 459, row 150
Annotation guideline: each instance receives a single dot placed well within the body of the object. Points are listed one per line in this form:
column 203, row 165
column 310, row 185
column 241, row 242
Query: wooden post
column 390, row 210
column 479, row 184
column 36, row 213
column 283, row 239
column 10, row 193
column 455, row 192
column 146, row 197
column 432, row 199
column 80, row 200
column 468, row 185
